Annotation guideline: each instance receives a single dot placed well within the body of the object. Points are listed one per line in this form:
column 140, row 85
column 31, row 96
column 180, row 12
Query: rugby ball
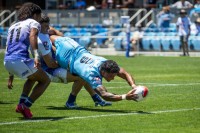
column 142, row 92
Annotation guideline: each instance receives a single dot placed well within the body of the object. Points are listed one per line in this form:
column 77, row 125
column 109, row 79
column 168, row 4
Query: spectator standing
column 182, row 4
column 164, row 18
column 80, row 4
column 195, row 27
column 183, row 25
column 196, row 9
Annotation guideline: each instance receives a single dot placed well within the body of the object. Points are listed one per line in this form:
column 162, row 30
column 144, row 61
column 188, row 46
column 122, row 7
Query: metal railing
column 138, row 15
column 145, row 18
column 9, row 19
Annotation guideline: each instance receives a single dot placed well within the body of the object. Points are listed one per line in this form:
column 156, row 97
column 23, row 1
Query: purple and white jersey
column 18, row 39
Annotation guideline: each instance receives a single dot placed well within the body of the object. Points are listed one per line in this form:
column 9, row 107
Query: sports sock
column 71, row 98
column 96, row 98
column 22, row 98
column 28, row 102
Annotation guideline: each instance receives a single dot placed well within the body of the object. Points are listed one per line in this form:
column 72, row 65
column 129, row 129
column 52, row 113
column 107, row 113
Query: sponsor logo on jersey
column 97, row 80
column 24, row 73
column 46, row 45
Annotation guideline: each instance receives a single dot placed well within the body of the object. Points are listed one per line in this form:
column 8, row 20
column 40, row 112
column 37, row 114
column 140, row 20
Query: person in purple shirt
column 17, row 61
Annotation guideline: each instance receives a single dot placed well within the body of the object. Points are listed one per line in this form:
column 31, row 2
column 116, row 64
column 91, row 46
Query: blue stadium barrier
column 165, row 44
column 149, row 33
column 196, row 44
column 118, row 45
column 160, row 34
column 101, row 41
column 156, row 44
column 170, row 33
column 85, row 41
column 175, row 42
column 146, row 43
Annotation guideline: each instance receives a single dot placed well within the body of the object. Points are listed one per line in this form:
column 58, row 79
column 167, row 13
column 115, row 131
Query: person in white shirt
column 195, row 27
column 182, row 4
column 183, row 25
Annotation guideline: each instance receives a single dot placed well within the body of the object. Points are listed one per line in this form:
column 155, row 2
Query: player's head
column 44, row 22
column 29, row 10
column 183, row 13
column 109, row 69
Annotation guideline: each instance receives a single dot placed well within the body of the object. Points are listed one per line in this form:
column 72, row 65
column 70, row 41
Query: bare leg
column 43, row 82
column 186, row 48
column 77, row 85
column 28, row 85
column 183, row 45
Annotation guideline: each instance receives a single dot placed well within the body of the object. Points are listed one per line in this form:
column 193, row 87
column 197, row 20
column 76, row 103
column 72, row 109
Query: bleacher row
column 167, row 39
column 154, row 39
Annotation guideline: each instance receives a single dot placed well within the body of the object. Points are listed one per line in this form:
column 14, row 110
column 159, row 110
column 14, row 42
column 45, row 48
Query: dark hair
column 44, row 18
column 28, row 10
column 182, row 11
column 110, row 66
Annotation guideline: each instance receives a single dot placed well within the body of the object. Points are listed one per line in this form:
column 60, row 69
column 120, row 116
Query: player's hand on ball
column 131, row 96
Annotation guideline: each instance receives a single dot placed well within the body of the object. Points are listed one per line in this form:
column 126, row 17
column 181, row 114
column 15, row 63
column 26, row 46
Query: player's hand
column 37, row 63
column 10, row 81
column 131, row 96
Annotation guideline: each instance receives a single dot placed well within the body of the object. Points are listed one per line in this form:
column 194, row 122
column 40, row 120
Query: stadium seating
column 156, row 44
column 194, row 45
column 175, row 42
column 146, row 41
column 85, row 40
column 118, row 41
column 165, row 42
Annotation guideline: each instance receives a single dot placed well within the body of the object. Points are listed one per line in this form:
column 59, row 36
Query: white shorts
column 58, row 75
column 21, row 68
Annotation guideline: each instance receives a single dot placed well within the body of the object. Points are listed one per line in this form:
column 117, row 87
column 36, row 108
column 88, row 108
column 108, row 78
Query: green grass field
column 172, row 106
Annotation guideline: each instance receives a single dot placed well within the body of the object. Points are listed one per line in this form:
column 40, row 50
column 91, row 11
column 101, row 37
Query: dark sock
column 28, row 102
column 71, row 98
column 96, row 98
column 22, row 98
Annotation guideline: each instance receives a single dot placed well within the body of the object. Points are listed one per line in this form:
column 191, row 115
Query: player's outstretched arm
column 115, row 97
column 125, row 75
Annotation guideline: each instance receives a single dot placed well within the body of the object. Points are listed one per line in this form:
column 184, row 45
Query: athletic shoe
column 26, row 112
column 103, row 103
column 71, row 105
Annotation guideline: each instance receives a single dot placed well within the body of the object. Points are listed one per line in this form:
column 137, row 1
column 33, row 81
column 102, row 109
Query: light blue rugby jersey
column 64, row 49
column 81, row 62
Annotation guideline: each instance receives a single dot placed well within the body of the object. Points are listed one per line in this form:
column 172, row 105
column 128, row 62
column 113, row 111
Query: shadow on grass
column 98, row 110
column 44, row 118
column 6, row 102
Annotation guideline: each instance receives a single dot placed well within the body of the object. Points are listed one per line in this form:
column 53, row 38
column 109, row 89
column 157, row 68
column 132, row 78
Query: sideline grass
column 173, row 83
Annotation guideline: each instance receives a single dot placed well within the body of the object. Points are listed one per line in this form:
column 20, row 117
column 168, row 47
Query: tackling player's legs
column 62, row 75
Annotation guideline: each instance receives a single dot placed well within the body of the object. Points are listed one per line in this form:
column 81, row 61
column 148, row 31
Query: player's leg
column 96, row 98
column 25, row 69
column 186, row 45
column 76, row 87
column 28, row 85
column 183, row 45
column 67, row 77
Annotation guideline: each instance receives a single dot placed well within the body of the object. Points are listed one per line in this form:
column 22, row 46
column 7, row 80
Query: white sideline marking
column 97, row 116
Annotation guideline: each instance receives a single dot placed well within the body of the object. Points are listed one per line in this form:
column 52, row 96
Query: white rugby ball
column 142, row 92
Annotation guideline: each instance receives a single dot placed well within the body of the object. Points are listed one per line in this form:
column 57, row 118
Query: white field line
column 154, row 84
column 151, row 84
column 97, row 116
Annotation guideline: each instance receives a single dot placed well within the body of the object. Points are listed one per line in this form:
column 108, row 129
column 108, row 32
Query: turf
column 172, row 106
